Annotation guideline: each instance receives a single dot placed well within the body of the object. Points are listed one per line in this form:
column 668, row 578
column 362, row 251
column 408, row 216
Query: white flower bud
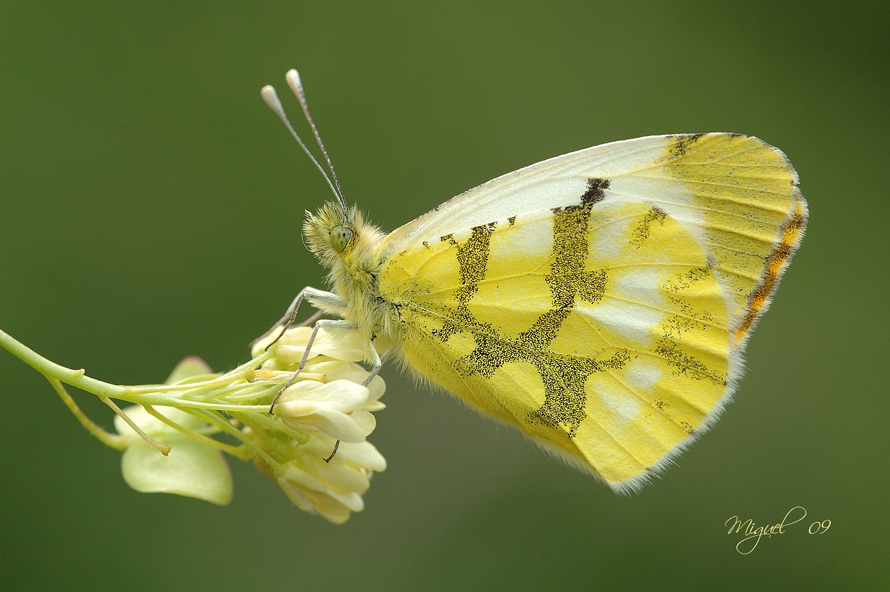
column 341, row 344
column 334, row 409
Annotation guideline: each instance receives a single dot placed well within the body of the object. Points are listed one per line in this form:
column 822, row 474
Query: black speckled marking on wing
column 472, row 256
column 563, row 376
column 644, row 226
column 595, row 191
column 682, row 144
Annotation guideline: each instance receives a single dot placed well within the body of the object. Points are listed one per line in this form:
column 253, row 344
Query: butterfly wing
column 600, row 301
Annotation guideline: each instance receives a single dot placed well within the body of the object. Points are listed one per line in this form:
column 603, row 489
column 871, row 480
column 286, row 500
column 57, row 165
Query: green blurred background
column 150, row 208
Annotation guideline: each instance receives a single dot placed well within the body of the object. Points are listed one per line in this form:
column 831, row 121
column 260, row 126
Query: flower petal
column 188, row 368
column 348, row 428
column 362, row 454
column 340, row 395
column 342, row 344
column 309, row 494
column 192, row 469
column 375, row 389
column 336, row 475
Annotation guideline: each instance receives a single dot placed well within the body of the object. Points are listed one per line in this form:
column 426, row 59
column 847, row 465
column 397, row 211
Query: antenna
column 293, row 80
column 270, row 97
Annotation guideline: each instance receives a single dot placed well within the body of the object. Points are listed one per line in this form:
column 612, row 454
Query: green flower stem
column 172, row 395
column 52, row 370
column 244, row 371
column 238, row 452
column 205, row 396
column 113, row 440
column 228, row 428
column 162, row 448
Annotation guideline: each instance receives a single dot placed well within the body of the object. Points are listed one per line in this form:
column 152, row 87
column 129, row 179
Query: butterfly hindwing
column 599, row 301
column 600, row 331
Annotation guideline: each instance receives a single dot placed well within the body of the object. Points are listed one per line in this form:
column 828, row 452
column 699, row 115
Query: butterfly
column 599, row 301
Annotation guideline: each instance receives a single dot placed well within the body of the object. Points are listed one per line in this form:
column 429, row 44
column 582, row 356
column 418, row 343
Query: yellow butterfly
column 599, row 301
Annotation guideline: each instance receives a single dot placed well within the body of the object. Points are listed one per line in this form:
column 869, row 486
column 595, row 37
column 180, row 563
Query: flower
column 327, row 472
column 339, row 344
column 334, row 408
column 314, row 446
column 331, row 489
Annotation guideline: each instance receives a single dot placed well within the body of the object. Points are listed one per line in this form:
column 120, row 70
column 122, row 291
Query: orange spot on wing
column 775, row 267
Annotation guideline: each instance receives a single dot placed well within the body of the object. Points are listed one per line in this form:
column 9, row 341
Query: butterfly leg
column 318, row 325
column 328, row 298
column 377, row 364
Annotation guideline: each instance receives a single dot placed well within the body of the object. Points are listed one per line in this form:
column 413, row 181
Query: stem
column 162, row 448
column 51, row 370
column 244, row 371
column 144, row 395
column 173, row 401
column 228, row 428
column 233, row 450
column 113, row 440
column 171, row 395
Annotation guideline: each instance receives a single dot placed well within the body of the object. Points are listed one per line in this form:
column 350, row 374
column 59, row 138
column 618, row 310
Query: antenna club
column 270, row 97
column 293, row 80
column 274, row 103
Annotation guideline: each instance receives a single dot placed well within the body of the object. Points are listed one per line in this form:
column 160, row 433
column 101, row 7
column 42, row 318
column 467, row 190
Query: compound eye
column 340, row 237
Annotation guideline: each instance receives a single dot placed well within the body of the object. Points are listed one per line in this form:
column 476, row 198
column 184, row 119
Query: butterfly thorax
column 347, row 246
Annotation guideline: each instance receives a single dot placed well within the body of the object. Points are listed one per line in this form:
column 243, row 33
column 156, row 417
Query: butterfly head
column 338, row 235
